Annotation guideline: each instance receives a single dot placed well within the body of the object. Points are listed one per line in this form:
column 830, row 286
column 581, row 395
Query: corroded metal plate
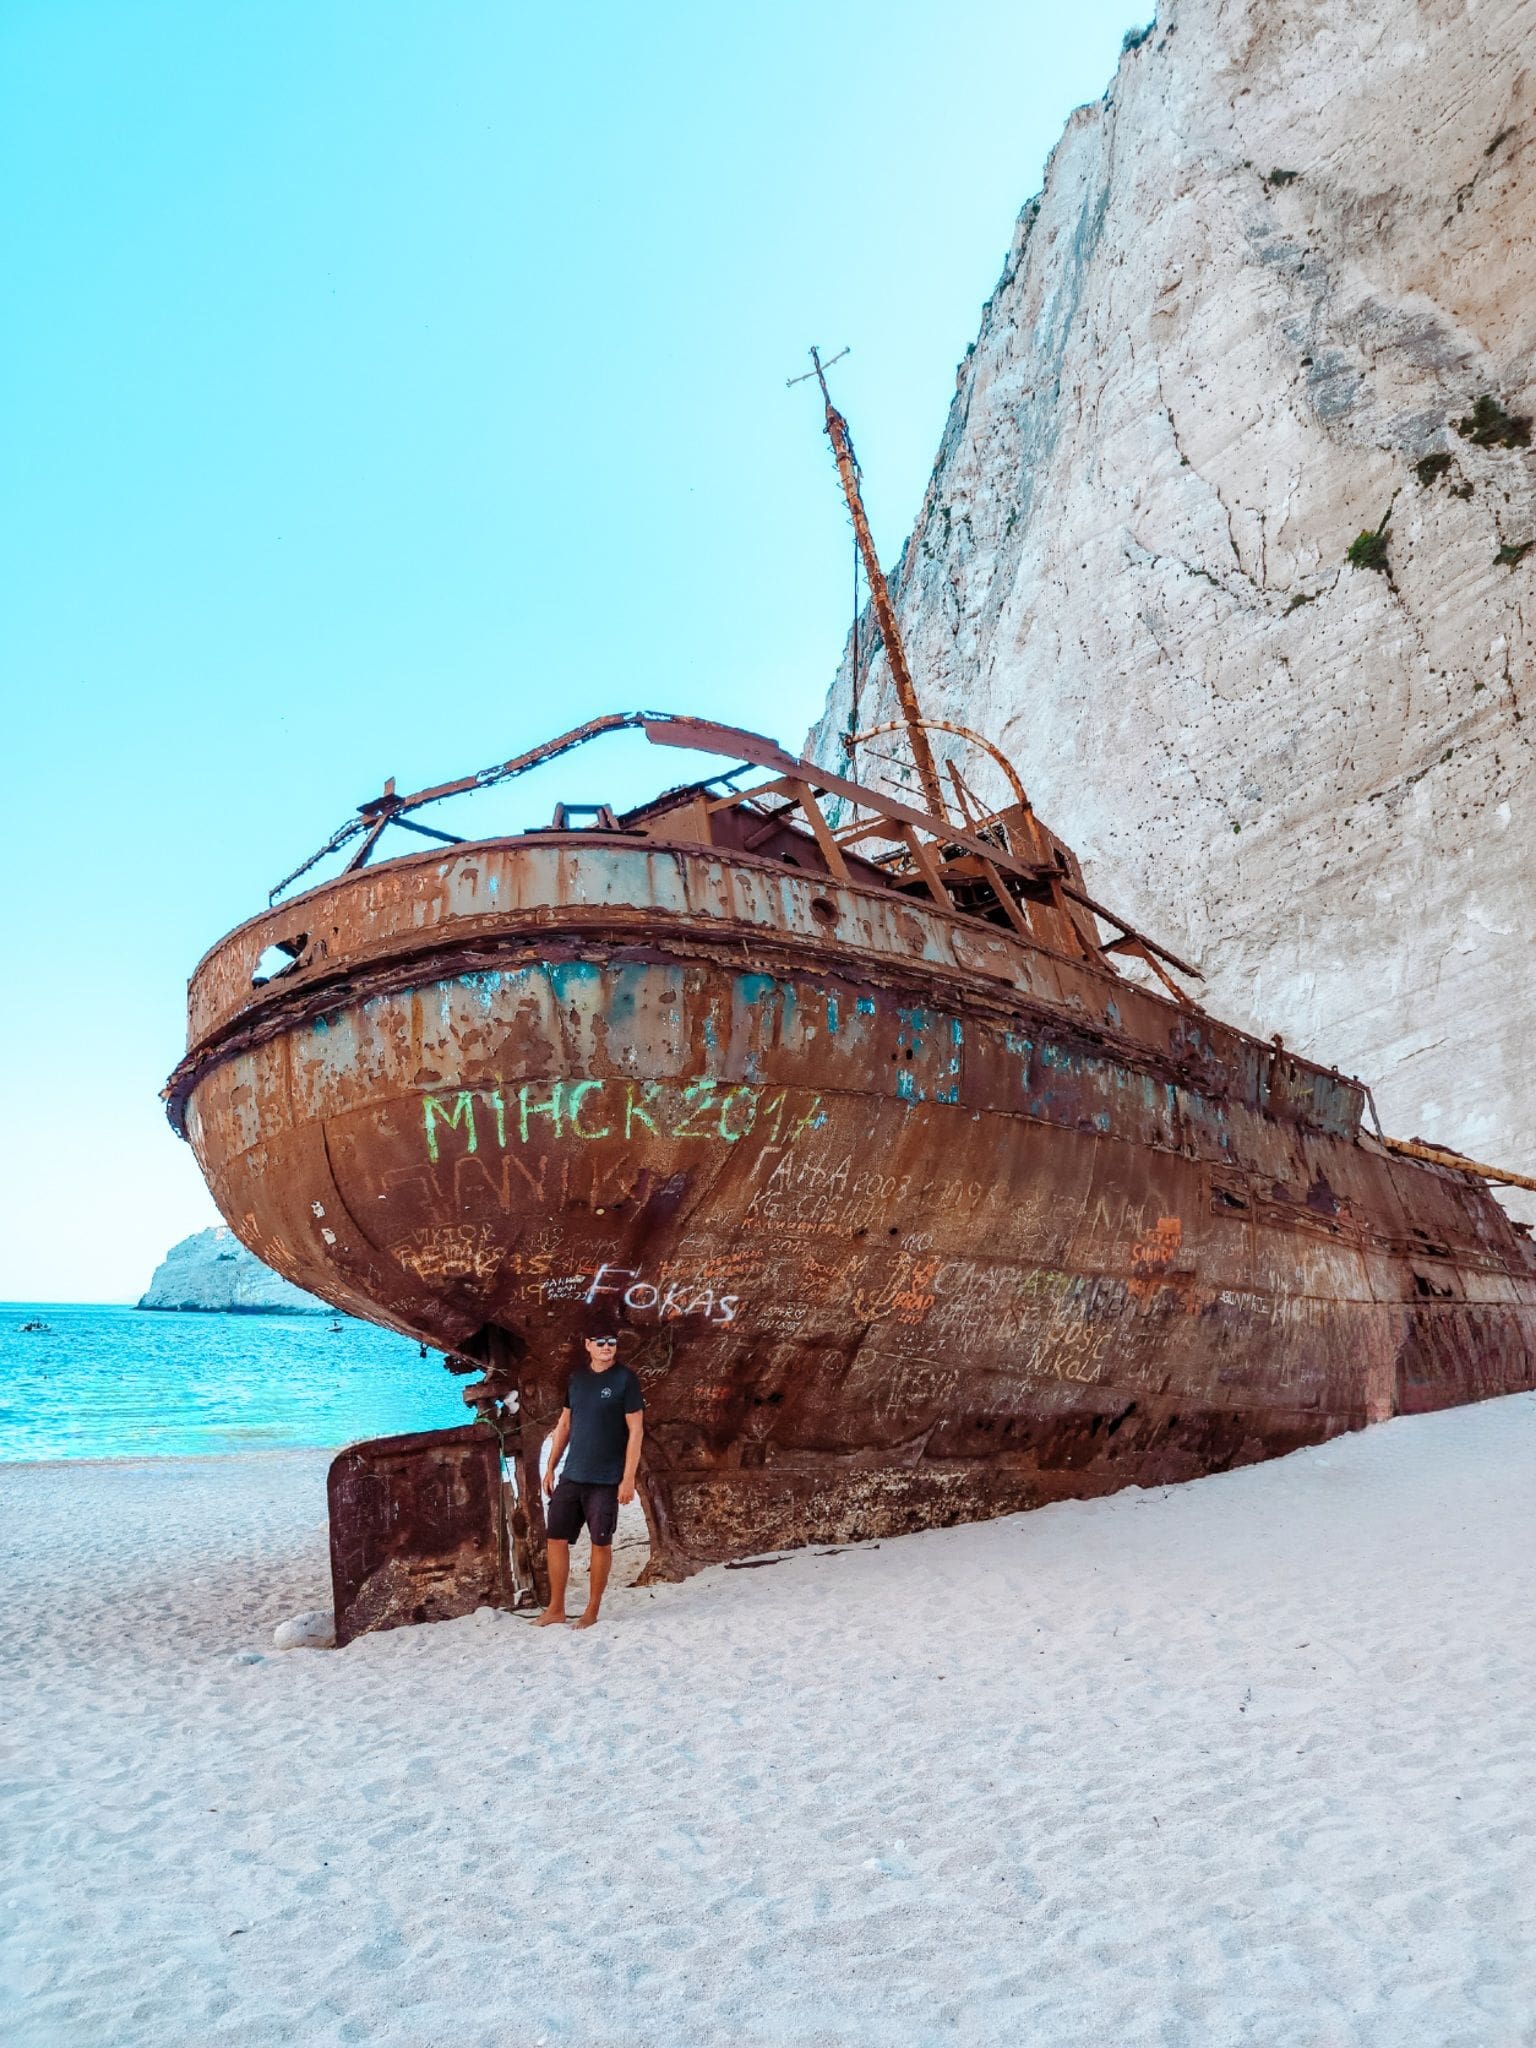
column 417, row 1529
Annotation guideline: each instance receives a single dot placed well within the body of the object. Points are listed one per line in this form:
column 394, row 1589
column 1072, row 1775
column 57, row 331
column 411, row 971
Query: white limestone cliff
column 1268, row 274
column 213, row 1270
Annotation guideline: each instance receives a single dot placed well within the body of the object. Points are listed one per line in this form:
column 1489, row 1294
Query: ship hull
column 900, row 1238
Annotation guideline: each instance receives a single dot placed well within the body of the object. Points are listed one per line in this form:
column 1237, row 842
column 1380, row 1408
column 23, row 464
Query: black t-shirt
column 599, row 1402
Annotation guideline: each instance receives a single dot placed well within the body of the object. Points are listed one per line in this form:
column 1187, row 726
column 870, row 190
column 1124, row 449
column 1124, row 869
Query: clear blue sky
column 385, row 386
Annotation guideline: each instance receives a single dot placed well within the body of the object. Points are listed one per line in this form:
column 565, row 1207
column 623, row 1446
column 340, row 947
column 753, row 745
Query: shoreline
column 161, row 1459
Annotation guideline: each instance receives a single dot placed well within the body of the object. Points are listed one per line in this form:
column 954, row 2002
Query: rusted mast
column 885, row 613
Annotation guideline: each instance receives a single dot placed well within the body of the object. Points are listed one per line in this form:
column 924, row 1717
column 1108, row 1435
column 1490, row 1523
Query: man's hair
column 602, row 1326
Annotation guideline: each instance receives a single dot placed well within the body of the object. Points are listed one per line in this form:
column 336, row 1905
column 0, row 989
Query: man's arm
column 636, row 1426
column 557, row 1444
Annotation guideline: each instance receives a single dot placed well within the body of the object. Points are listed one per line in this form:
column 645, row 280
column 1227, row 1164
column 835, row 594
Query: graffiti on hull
column 592, row 1109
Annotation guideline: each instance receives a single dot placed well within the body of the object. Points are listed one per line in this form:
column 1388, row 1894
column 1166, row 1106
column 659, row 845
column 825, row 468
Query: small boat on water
column 917, row 1206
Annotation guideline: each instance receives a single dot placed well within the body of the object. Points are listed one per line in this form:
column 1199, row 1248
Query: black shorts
column 573, row 1502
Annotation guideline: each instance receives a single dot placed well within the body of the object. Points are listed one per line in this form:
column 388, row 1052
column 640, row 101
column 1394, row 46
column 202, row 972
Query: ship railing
column 1002, row 866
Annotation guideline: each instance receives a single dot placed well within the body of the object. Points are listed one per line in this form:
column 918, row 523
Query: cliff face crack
column 1253, row 585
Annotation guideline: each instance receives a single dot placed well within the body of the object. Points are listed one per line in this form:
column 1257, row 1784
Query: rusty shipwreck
column 918, row 1208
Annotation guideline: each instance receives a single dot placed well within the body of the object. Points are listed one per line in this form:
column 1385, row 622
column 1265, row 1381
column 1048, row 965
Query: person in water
column 599, row 1431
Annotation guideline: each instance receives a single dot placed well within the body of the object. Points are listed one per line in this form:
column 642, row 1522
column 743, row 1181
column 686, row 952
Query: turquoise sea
column 135, row 1383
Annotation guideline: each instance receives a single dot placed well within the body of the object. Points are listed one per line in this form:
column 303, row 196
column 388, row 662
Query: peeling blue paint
column 484, row 986
column 1063, row 1061
column 570, row 978
column 626, row 992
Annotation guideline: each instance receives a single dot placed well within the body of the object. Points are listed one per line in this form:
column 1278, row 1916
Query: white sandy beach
column 1253, row 1760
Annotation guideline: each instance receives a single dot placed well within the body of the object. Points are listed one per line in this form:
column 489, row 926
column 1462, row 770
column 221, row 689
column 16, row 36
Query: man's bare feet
column 550, row 1618
column 586, row 1618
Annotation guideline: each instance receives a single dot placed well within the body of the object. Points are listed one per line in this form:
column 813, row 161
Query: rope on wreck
column 506, row 1563
column 497, row 1416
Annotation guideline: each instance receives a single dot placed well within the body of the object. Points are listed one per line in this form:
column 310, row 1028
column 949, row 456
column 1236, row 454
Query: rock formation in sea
column 1231, row 540
column 213, row 1270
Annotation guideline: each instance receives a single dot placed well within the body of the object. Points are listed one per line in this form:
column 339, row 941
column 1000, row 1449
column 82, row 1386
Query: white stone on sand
column 315, row 1630
column 1249, row 1760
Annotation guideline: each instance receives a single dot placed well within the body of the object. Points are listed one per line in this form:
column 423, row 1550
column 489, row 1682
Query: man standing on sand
column 602, row 1422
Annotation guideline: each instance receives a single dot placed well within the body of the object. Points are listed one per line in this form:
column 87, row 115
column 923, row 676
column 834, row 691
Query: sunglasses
column 606, row 1342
